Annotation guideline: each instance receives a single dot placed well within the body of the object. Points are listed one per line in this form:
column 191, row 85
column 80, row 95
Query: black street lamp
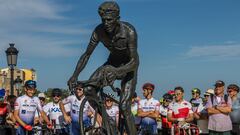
column 18, row 81
column 12, row 54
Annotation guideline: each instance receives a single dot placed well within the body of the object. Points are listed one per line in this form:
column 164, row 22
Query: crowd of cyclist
column 216, row 113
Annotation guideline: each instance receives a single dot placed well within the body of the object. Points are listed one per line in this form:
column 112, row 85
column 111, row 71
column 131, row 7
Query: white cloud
column 38, row 28
column 221, row 51
column 24, row 9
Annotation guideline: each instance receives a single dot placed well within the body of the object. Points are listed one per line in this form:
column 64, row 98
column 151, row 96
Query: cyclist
column 11, row 121
column 75, row 103
column 148, row 110
column 120, row 39
column 134, row 109
column 112, row 110
column 25, row 108
column 166, row 125
column 180, row 110
column 197, row 102
column 54, row 112
column 4, row 109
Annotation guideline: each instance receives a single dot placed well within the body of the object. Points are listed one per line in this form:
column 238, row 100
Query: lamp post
column 18, row 81
column 12, row 54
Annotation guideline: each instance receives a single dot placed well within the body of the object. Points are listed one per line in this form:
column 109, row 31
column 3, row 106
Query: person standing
column 166, row 125
column 180, row 110
column 233, row 91
column 148, row 110
column 218, row 107
column 25, row 108
column 75, row 103
column 53, row 111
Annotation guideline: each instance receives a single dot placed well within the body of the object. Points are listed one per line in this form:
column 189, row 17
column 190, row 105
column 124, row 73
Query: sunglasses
column 206, row 95
column 167, row 100
column 56, row 96
column 177, row 94
column 41, row 98
column 108, row 100
column 229, row 91
column 193, row 93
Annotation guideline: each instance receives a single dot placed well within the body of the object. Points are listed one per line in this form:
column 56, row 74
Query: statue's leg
column 128, row 89
column 91, row 91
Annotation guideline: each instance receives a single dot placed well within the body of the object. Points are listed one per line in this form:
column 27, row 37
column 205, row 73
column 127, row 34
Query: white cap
column 42, row 95
column 209, row 91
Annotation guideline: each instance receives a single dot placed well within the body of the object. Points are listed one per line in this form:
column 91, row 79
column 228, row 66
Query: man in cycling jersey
column 180, row 110
column 166, row 125
column 112, row 111
column 75, row 103
column 25, row 108
column 148, row 110
column 120, row 38
column 53, row 111
column 197, row 102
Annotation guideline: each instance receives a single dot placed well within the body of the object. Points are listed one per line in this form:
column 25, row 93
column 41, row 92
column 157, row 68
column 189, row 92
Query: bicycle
column 106, row 128
column 185, row 129
column 44, row 130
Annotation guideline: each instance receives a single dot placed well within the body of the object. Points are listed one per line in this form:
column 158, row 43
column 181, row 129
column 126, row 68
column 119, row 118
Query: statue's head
column 109, row 12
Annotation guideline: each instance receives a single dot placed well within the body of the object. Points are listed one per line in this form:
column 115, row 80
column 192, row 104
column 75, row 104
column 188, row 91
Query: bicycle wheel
column 94, row 128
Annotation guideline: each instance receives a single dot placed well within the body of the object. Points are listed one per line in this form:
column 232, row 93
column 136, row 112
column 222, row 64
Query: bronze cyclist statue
column 120, row 38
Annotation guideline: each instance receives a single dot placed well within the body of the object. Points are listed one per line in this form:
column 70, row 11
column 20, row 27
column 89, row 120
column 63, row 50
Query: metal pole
column 12, row 82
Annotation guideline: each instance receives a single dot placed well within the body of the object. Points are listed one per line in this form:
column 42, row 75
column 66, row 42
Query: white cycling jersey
column 27, row 107
column 149, row 105
column 75, row 107
column 113, row 112
column 163, row 110
column 55, row 114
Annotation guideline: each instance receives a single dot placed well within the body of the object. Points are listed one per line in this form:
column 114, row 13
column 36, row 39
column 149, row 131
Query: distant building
column 23, row 74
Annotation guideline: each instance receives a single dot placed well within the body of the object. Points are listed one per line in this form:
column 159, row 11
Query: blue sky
column 191, row 43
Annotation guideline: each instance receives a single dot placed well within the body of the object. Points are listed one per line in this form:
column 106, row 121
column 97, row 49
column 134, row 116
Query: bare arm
column 189, row 118
column 153, row 114
column 212, row 111
column 65, row 115
column 170, row 118
column 44, row 116
column 62, row 108
column 141, row 113
column 225, row 109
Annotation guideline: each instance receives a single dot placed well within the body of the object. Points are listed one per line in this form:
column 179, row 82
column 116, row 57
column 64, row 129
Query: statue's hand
column 110, row 73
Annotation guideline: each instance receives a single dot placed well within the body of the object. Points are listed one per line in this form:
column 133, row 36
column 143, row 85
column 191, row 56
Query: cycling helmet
column 196, row 90
column 167, row 96
column 30, row 84
column 109, row 7
column 2, row 92
column 56, row 91
column 171, row 92
column 148, row 86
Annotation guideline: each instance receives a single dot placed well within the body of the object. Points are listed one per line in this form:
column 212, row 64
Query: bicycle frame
column 100, row 107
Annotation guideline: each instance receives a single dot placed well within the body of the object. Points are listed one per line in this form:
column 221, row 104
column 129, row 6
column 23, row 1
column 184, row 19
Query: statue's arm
column 134, row 58
column 82, row 62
